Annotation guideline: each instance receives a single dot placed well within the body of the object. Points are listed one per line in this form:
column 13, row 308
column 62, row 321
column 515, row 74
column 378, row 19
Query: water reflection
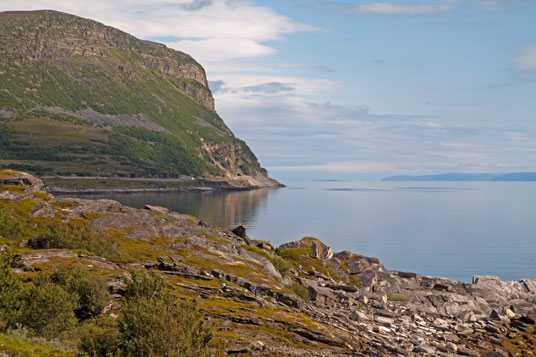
column 223, row 209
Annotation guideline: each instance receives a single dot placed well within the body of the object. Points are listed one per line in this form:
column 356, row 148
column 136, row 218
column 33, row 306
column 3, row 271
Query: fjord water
column 448, row 229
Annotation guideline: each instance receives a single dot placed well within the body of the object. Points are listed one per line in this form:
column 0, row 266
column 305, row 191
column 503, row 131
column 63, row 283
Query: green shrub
column 47, row 308
column 91, row 292
column 281, row 265
column 144, row 286
column 300, row 290
column 100, row 337
column 154, row 323
column 396, row 297
column 10, row 228
column 10, row 289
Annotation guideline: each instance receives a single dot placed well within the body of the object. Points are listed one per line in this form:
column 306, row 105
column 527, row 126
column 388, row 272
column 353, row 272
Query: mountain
column 518, row 176
column 81, row 98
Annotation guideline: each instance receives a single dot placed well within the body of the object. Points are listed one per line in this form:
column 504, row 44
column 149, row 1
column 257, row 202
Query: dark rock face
column 241, row 232
column 54, row 35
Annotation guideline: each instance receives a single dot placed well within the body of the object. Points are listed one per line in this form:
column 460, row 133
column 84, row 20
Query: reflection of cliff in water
column 223, row 209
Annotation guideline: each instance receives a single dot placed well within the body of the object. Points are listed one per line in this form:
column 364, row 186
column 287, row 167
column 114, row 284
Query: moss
column 6, row 173
column 211, row 237
column 12, row 188
column 40, row 195
column 138, row 250
column 256, row 250
column 294, row 255
column 93, row 215
column 397, row 297
column 25, row 206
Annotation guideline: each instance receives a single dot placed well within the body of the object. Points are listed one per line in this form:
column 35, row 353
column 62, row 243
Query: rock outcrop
column 300, row 299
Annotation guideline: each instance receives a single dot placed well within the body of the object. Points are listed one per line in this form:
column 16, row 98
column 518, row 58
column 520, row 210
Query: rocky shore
column 301, row 299
column 107, row 185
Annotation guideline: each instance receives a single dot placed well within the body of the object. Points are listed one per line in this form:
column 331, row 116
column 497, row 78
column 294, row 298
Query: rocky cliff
column 301, row 299
column 79, row 97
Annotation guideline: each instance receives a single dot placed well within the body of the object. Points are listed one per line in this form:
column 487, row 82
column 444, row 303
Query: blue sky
column 355, row 89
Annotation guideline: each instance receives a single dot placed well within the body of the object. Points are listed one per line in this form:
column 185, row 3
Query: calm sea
column 449, row 229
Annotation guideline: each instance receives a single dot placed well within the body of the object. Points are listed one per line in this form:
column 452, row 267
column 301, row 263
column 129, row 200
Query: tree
column 155, row 323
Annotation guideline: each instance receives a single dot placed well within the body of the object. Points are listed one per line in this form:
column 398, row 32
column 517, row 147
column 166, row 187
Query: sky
column 340, row 89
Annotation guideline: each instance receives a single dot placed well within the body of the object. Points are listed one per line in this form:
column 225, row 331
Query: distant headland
column 514, row 176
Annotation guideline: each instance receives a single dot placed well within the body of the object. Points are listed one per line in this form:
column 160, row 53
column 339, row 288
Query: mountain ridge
column 81, row 98
column 514, row 176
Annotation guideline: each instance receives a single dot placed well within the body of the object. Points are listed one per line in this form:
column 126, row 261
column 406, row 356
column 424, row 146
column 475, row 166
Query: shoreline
column 94, row 191
column 109, row 185
column 319, row 301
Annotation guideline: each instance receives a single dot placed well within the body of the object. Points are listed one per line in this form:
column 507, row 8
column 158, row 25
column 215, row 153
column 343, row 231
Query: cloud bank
column 209, row 30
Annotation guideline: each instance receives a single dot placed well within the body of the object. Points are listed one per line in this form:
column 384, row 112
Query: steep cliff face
column 54, row 35
column 79, row 97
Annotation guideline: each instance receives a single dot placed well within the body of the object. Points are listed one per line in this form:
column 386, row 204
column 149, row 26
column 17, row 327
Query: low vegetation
column 397, row 297
column 76, row 235
column 65, row 305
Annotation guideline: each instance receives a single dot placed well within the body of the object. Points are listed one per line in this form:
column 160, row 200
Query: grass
column 12, row 188
column 397, row 297
column 257, row 251
column 22, row 347
column 115, row 183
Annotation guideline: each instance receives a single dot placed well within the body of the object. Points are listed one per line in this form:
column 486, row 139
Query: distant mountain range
column 514, row 176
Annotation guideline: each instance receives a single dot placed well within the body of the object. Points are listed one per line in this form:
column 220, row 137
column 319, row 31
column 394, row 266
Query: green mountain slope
column 79, row 97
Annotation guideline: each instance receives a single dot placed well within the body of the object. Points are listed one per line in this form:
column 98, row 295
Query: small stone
column 495, row 354
column 424, row 349
column 510, row 314
column 358, row 316
column 467, row 352
column 451, row 347
column 450, row 337
column 494, row 315
column 367, row 278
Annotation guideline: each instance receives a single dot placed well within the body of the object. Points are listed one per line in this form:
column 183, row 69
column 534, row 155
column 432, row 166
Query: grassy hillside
column 78, row 97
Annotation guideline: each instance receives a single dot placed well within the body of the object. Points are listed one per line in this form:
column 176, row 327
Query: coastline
column 111, row 185
column 299, row 299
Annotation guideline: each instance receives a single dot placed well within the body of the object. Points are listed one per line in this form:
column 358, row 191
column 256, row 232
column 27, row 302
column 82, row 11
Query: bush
column 396, row 297
column 154, row 323
column 300, row 290
column 92, row 293
column 47, row 308
column 281, row 265
column 10, row 289
column 10, row 228
column 100, row 337
column 143, row 286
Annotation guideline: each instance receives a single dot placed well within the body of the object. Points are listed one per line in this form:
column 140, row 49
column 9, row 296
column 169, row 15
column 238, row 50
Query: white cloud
column 527, row 60
column 209, row 30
